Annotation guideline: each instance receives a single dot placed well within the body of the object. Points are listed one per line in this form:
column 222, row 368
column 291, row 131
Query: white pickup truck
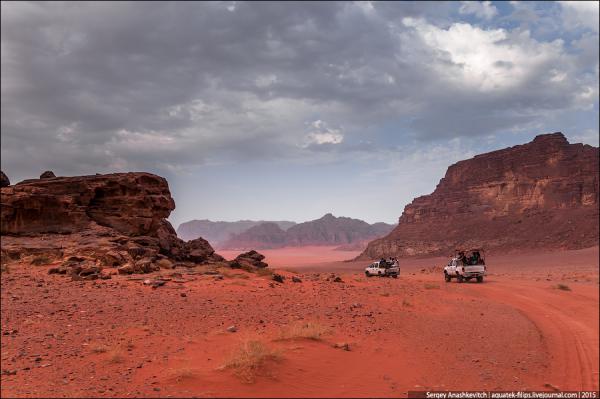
column 466, row 265
column 383, row 268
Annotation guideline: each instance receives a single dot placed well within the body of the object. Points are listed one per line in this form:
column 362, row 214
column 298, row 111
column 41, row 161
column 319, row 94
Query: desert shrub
column 115, row 356
column 307, row 330
column 99, row 349
column 251, row 360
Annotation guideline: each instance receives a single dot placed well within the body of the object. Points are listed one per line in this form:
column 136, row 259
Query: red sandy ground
column 514, row 331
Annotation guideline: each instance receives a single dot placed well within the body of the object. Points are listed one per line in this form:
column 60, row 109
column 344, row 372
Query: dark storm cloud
column 91, row 87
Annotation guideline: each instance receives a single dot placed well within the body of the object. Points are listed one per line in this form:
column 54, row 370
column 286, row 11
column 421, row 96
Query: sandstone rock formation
column 543, row 194
column 116, row 220
column 4, row 181
column 328, row 230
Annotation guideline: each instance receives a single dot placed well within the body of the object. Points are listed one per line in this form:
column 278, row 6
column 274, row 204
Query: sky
column 284, row 110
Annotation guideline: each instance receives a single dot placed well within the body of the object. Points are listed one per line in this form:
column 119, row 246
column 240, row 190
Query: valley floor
column 532, row 324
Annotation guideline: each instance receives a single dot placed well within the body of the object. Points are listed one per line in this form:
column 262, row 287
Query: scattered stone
column 183, row 294
column 278, row 277
column 9, row 372
column 296, row 279
column 125, row 269
column 232, row 329
column 344, row 346
column 158, row 283
column 338, row 279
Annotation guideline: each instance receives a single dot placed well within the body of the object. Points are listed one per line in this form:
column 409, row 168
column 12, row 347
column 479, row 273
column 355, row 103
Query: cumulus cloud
column 481, row 9
column 322, row 134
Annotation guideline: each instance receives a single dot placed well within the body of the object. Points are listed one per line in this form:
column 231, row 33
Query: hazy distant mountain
column 328, row 230
column 218, row 232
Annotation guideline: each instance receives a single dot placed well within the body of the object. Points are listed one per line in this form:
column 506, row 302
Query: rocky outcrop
column 328, row 230
column 118, row 220
column 543, row 194
column 4, row 181
column 47, row 175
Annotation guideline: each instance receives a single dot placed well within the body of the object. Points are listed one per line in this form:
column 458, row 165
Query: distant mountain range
column 218, row 232
column 328, row 230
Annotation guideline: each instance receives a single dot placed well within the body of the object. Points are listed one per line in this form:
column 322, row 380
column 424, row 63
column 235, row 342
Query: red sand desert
column 359, row 337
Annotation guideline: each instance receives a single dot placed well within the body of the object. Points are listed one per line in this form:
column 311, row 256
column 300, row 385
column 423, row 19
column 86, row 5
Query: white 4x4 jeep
column 466, row 265
column 383, row 269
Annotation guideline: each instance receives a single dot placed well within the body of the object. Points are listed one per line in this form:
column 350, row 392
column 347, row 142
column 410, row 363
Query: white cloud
column 581, row 13
column 322, row 134
column 484, row 59
column 481, row 9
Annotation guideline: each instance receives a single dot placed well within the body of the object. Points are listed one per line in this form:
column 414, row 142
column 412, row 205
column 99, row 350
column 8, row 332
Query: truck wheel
column 447, row 277
column 460, row 278
column 367, row 274
column 480, row 279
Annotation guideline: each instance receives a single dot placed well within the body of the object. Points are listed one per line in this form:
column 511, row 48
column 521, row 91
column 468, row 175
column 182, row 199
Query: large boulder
column 249, row 260
column 4, row 181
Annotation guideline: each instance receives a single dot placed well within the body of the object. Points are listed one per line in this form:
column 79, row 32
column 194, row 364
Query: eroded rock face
column 116, row 219
column 4, row 181
column 543, row 194
column 130, row 203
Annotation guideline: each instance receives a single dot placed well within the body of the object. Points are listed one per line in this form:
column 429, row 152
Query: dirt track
column 120, row 338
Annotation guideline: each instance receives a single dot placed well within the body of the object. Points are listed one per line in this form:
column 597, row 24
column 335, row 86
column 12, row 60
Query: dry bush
column 251, row 359
column 563, row 287
column 115, row 356
column 429, row 286
column 99, row 349
column 307, row 330
column 384, row 293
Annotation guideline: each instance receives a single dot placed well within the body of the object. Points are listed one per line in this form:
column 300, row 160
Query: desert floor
column 532, row 324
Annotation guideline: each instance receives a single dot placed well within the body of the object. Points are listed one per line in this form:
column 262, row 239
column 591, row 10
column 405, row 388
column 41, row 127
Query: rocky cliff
column 114, row 220
column 543, row 194
column 327, row 230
